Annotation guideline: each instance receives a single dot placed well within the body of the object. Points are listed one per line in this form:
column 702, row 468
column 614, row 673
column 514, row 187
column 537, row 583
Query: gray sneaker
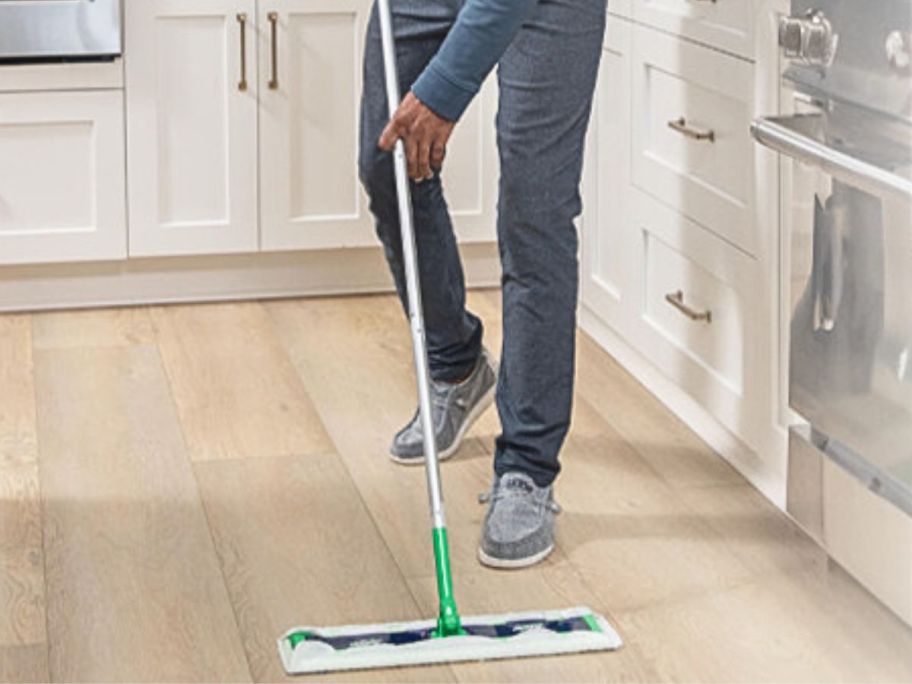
column 455, row 408
column 518, row 529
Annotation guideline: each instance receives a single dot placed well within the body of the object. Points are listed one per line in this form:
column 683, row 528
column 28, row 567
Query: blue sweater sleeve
column 482, row 32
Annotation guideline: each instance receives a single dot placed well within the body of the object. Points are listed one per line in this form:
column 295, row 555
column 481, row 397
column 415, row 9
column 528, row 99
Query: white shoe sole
column 486, row 400
column 502, row 564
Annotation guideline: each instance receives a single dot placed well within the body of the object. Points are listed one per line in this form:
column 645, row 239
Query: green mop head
column 311, row 650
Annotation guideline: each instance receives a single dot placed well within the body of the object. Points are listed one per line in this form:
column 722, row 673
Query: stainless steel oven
column 845, row 137
column 48, row 30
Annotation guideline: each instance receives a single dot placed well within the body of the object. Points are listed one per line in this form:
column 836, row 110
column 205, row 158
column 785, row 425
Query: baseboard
column 767, row 474
column 215, row 278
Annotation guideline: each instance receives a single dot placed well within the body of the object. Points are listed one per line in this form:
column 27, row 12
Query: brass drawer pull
column 680, row 125
column 274, row 29
column 242, row 20
column 676, row 299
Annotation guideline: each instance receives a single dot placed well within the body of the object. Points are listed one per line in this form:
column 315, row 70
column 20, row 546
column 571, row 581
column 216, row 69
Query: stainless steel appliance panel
column 850, row 223
column 34, row 30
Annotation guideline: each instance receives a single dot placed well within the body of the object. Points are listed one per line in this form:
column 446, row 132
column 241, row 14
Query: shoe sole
column 515, row 564
column 486, row 400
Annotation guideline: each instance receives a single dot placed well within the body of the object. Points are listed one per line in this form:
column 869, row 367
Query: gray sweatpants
column 546, row 79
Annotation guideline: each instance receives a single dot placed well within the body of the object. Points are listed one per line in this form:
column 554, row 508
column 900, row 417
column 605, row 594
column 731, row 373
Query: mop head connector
column 486, row 637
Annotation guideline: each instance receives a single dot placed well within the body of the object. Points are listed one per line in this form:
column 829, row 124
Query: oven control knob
column 897, row 47
column 808, row 39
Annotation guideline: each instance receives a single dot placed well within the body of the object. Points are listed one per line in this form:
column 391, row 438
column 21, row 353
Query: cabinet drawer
column 62, row 177
column 691, row 133
column 723, row 24
column 695, row 322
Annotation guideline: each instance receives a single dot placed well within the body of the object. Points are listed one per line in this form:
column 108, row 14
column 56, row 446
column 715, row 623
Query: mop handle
column 413, row 284
column 449, row 622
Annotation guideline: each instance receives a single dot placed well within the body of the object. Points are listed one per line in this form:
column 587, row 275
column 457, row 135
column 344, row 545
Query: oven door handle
column 783, row 135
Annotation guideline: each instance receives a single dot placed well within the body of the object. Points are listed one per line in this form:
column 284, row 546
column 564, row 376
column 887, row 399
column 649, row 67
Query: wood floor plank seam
column 44, row 572
column 202, row 499
column 172, row 494
column 221, row 567
column 345, row 466
column 44, row 644
column 201, row 424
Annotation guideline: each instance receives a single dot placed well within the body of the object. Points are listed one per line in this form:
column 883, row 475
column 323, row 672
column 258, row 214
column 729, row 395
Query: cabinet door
column 310, row 84
column 61, row 177
column 192, row 126
column 607, row 226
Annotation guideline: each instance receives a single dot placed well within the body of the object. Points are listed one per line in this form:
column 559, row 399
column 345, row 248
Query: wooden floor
column 178, row 485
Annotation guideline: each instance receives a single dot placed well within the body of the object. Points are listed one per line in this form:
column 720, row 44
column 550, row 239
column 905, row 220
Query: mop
column 448, row 638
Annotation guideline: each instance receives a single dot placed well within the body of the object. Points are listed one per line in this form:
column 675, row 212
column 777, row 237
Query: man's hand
column 425, row 136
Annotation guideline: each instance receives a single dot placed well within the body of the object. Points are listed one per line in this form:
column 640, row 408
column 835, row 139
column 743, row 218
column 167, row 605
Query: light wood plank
column 661, row 439
column 785, row 629
column 135, row 592
column 237, row 394
column 23, row 648
column 761, row 536
column 24, row 663
column 22, row 618
column 18, row 440
column 627, row 530
column 555, row 587
column 298, row 547
column 92, row 328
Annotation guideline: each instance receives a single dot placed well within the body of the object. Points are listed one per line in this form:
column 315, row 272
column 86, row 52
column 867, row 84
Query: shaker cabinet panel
column 310, row 87
column 691, row 133
column 724, row 24
column 61, row 177
column 191, row 127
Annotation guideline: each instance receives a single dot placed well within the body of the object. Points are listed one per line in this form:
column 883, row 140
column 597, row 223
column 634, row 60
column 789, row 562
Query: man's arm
column 424, row 121
column 482, row 32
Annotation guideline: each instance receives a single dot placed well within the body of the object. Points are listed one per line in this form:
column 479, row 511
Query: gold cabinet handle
column 242, row 21
column 680, row 125
column 676, row 299
column 274, row 30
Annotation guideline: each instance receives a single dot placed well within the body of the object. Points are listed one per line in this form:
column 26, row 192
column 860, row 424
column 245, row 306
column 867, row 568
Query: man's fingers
column 390, row 136
column 411, row 155
column 424, row 160
column 438, row 154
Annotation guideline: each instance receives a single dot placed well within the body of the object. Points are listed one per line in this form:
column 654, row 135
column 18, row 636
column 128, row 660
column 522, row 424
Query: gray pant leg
column 547, row 78
column 454, row 335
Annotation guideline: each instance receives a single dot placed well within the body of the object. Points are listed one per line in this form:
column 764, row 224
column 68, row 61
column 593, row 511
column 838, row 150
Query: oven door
column 38, row 30
column 850, row 230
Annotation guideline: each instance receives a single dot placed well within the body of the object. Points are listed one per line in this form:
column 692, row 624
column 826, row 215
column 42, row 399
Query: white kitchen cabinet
column 675, row 277
column 725, row 24
column 310, row 85
column 608, row 230
column 691, row 133
column 192, row 126
column 698, row 316
column 61, row 177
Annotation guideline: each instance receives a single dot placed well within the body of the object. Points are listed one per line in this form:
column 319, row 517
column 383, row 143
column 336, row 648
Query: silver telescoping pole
column 413, row 284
